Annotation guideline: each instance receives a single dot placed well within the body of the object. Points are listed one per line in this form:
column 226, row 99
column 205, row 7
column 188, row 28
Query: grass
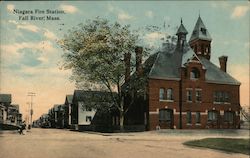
column 224, row 144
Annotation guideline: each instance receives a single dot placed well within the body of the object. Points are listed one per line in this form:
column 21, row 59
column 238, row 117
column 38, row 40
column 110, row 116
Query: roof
column 168, row 62
column 69, row 99
column 56, row 107
column 5, row 98
column 200, row 31
column 181, row 29
column 215, row 75
column 83, row 95
column 16, row 106
column 146, row 66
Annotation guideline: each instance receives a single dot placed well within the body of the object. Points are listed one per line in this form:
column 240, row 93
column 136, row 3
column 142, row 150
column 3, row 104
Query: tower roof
column 181, row 29
column 200, row 31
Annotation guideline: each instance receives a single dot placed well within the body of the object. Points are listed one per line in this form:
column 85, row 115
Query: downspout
column 180, row 100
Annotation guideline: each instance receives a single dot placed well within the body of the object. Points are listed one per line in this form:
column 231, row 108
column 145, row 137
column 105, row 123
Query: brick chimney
column 138, row 53
column 223, row 63
column 127, row 57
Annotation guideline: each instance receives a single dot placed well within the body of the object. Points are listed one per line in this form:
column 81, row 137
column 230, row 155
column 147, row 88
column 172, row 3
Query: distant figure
column 158, row 127
column 22, row 127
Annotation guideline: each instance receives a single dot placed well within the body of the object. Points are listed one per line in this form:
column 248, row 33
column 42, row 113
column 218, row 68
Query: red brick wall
column 207, row 96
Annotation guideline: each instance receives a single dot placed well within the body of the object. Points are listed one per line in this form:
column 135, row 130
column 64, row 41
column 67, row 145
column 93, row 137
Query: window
column 189, row 117
column 221, row 97
column 198, row 117
column 194, row 74
column 212, row 115
column 88, row 118
column 169, row 94
column 216, row 96
column 194, row 32
column 226, row 97
column 161, row 97
column 165, row 115
column 189, row 95
column 198, row 95
column 228, row 116
column 202, row 48
column 88, row 108
column 204, row 31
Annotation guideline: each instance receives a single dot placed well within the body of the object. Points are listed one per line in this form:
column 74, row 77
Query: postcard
column 124, row 79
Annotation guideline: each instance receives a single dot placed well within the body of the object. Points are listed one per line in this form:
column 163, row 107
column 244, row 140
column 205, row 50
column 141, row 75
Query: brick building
column 186, row 90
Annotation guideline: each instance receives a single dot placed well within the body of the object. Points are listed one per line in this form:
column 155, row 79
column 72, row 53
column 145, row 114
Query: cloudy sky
column 30, row 57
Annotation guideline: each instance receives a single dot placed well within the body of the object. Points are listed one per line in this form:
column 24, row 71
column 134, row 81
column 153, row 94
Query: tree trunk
column 121, row 121
column 122, row 115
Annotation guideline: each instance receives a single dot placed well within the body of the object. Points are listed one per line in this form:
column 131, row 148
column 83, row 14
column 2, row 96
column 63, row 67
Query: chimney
column 138, row 53
column 223, row 63
column 127, row 57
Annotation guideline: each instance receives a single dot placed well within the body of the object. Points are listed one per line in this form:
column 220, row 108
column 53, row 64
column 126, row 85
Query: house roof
column 83, row 95
column 56, row 107
column 146, row 66
column 215, row 75
column 181, row 29
column 200, row 31
column 69, row 99
column 5, row 98
column 168, row 62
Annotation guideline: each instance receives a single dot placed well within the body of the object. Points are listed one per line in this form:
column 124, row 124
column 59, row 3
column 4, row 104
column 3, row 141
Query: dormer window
column 194, row 32
column 204, row 31
column 195, row 73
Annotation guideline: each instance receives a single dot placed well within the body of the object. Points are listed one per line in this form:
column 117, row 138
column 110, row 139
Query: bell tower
column 181, row 34
column 200, row 40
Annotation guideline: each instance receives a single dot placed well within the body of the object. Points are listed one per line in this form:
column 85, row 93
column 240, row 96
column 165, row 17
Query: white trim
column 174, row 112
column 165, row 100
column 154, row 112
column 164, row 78
column 223, row 83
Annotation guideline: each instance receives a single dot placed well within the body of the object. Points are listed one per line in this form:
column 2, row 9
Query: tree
column 95, row 51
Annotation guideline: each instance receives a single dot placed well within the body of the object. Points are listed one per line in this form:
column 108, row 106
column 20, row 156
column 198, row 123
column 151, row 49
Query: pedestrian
column 22, row 127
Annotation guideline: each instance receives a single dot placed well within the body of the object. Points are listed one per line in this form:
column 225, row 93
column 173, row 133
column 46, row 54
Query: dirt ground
column 58, row 143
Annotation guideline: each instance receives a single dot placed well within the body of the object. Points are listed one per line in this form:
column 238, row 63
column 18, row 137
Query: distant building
column 10, row 116
column 87, row 112
column 68, row 110
column 5, row 101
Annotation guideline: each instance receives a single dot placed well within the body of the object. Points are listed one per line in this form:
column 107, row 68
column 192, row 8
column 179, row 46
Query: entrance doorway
column 166, row 119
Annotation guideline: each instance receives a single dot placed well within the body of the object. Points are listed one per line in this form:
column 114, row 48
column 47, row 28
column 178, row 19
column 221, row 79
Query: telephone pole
column 31, row 94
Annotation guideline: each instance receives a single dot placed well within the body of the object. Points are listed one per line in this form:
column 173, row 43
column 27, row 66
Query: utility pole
column 31, row 94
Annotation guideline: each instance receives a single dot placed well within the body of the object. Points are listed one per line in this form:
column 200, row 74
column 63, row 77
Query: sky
column 31, row 58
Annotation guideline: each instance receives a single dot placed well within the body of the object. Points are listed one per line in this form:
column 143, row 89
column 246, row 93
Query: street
column 58, row 143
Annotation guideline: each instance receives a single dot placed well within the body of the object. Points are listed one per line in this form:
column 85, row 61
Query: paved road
column 56, row 143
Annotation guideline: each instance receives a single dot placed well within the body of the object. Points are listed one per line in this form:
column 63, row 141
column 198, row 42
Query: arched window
column 195, row 73
column 170, row 94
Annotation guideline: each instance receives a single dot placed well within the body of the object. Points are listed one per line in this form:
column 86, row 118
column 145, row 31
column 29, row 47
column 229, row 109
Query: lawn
column 225, row 144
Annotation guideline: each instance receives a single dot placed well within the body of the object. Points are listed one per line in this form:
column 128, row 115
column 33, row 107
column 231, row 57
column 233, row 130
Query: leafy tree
column 95, row 52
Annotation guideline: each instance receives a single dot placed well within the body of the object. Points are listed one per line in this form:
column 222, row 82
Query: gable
column 215, row 75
